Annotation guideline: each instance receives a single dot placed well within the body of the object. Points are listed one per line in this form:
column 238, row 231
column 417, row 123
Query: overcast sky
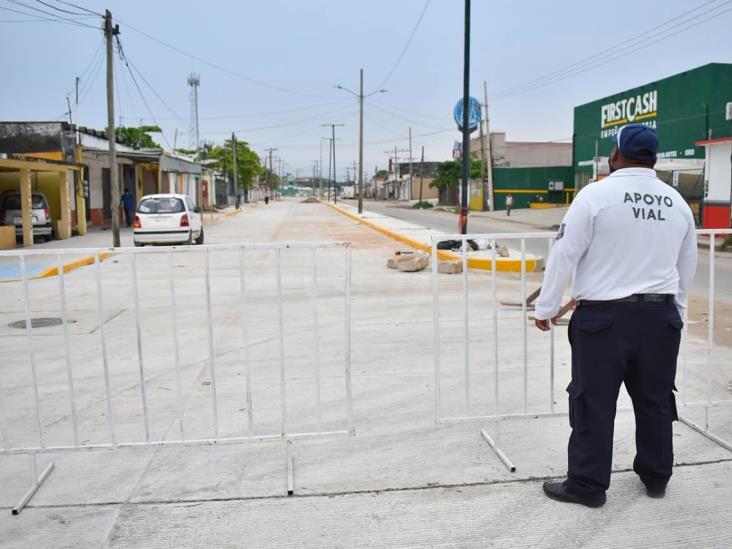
column 268, row 68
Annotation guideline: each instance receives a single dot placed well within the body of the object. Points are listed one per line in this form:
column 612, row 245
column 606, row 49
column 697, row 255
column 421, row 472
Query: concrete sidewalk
column 545, row 218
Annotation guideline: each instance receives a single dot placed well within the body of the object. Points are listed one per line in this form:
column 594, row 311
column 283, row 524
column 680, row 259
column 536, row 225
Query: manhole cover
column 42, row 322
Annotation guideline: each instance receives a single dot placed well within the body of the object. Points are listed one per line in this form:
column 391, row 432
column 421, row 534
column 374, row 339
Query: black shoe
column 656, row 492
column 558, row 491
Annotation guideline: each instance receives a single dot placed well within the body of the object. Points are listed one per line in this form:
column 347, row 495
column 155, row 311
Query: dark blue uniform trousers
column 636, row 343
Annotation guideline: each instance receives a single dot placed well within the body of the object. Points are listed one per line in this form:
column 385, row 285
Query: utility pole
column 76, row 109
column 361, row 97
column 411, row 171
column 483, row 180
column 110, row 31
column 395, row 167
column 421, row 176
column 79, row 175
column 320, row 172
column 396, row 172
column 236, row 171
column 332, row 146
column 489, row 157
column 269, row 173
column 466, row 130
column 315, row 176
column 330, row 163
column 360, row 145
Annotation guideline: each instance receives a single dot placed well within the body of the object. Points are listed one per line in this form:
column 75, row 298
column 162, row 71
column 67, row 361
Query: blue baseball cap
column 637, row 142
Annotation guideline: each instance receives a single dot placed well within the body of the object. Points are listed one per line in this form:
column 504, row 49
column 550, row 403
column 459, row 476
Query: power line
column 611, row 49
column 35, row 18
column 406, row 46
column 124, row 59
column 54, row 16
column 287, row 124
column 130, row 98
column 118, row 96
column 390, row 113
column 62, row 10
column 271, row 113
column 617, row 51
column 219, row 67
column 170, row 110
column 83, row 74
column 447, row 116
column 89, row 83
column 80, row 8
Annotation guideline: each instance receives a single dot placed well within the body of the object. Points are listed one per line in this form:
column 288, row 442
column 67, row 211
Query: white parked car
column 167, row 219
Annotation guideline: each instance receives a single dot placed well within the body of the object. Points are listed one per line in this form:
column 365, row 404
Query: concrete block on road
column 409, row 263
column 450, row 267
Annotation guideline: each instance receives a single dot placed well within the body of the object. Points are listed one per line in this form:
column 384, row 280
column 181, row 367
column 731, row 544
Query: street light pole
column 330, row 163
column 332, row 148
column 361, row 97
column 360, row 146
column 335, row 176
column 466, row 130
column 269, row 173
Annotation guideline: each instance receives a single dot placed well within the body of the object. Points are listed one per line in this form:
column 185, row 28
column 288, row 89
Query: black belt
column 635, row 298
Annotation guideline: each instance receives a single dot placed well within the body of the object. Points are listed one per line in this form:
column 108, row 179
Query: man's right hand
column 543, row 325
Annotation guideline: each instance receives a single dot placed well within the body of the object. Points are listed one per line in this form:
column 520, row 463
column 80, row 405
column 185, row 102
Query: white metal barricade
column 178, row 311
column 497, row 405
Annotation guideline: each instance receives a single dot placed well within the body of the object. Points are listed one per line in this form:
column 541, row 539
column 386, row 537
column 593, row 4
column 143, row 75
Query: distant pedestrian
column 238, row 200
column 266, row 199
column 127, row 202
column 509, row 203
column 629, row 244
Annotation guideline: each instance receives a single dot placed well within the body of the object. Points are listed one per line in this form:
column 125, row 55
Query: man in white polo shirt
column 630, row 242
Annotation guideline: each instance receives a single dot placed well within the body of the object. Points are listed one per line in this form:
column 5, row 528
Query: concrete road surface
column 401, row 481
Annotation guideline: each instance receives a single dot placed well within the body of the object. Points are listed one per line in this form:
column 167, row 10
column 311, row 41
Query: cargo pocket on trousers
column 576, row 407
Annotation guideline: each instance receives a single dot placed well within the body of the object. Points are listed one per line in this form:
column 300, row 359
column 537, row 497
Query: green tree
column 450, row 173
column 138, row 137
column 382, row 174
column 247, row 161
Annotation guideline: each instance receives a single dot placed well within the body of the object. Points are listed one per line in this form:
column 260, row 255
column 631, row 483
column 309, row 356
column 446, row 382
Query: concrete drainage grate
column 41, row 322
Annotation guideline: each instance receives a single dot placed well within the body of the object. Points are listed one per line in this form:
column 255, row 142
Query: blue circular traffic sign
column 473, row 114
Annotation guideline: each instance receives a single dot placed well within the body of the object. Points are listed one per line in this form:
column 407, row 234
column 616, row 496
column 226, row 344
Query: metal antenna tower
column 194, row 80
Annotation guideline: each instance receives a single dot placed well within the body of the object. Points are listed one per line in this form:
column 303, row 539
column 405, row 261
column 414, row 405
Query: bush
column 422, row 205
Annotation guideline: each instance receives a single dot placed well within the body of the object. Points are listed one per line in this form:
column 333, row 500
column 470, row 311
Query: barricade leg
column 37, row 482
column 290, row 468
column 500, row 453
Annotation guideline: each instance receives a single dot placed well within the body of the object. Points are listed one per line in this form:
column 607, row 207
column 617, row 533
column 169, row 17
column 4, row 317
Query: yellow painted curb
column 508, row 265
column 67, row 267
column 73, row 265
